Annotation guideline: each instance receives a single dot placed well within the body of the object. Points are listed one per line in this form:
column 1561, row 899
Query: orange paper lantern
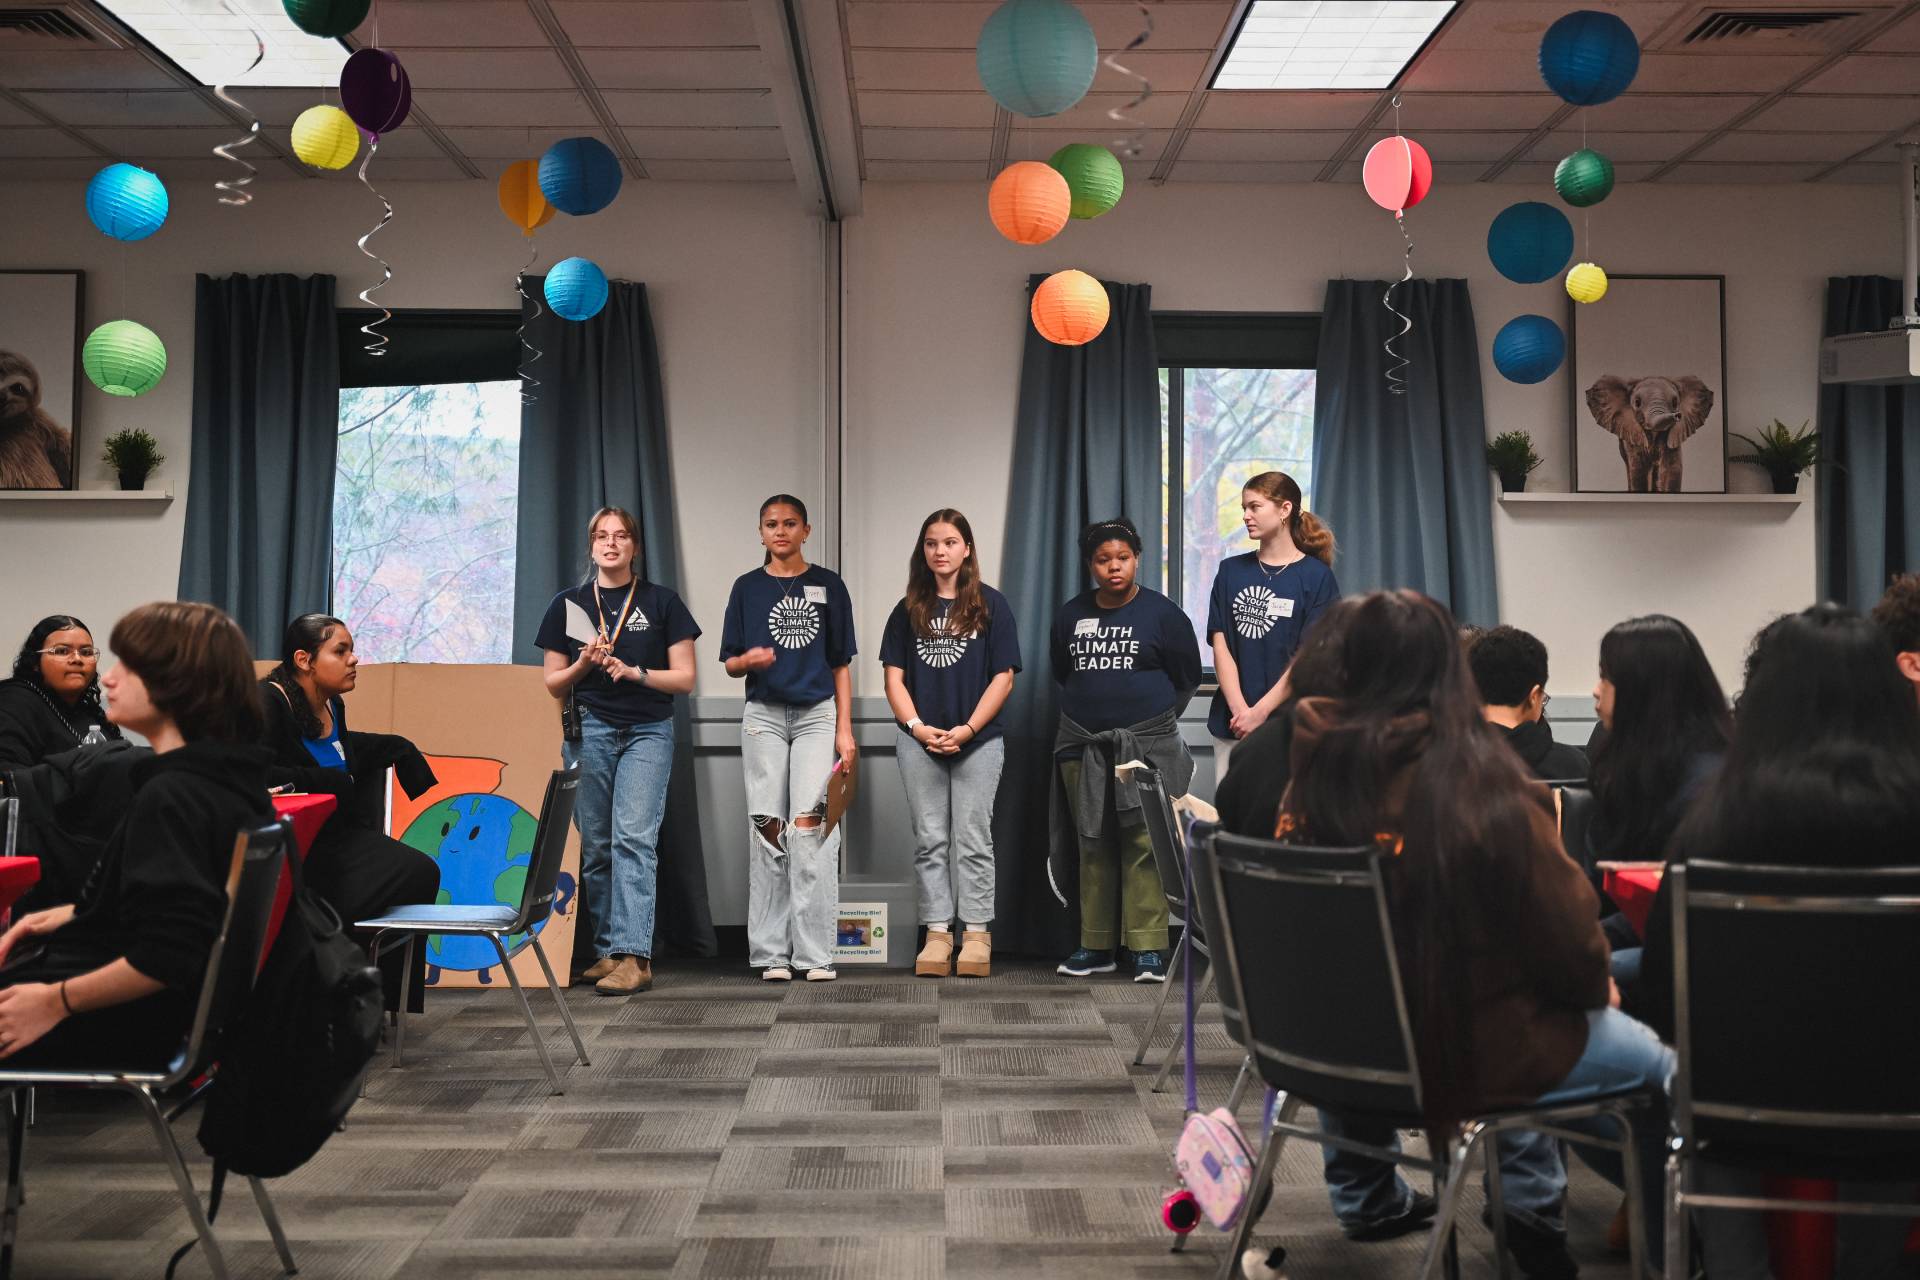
column 1070, row 308
column 521, row 199
column 1029, row 202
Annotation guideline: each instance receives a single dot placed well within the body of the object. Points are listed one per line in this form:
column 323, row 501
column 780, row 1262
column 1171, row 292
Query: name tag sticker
column 1279, row 607
column 818, row 595
column 1087, row 627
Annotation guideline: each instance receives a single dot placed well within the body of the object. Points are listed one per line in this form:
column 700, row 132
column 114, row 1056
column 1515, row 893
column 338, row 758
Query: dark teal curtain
column 266, row 420
column 595, row 436
column 1402, row 478
column 1870, row 502
column 1086, row 447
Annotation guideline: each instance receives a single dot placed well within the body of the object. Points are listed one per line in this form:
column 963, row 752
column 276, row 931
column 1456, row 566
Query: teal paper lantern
column 1589, row 57
column 580, row 176
column 1093, row 175
column 1584, row 178
column 576, row 289
column 1528, row 349
column 1037, row 57
column 1530, row 242
column 330, row 19
column 126, row 202
column 124, row 358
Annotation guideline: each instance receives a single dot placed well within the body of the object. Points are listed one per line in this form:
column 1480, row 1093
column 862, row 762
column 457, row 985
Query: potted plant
column 1511, row 456
column 1784, row 452
column 133, row 454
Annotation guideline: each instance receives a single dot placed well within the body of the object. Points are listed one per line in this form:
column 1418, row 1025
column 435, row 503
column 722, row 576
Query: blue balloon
column 1037, row 57
column 1589, row 57
column 1530, row 242
column 1528, row 349
column 127, row 203
column 576, row 289
column 579, row 176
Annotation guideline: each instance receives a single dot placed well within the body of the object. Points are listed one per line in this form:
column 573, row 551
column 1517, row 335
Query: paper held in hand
column 579, row 626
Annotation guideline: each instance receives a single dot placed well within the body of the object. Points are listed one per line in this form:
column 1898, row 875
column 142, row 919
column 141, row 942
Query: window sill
column 86, row 495
column 1744, row 499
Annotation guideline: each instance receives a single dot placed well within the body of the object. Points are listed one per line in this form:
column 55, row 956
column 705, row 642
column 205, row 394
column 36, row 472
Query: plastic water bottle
column 94, row 737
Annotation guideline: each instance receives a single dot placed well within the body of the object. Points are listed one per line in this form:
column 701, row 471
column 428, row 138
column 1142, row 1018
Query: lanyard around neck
column 620, row 620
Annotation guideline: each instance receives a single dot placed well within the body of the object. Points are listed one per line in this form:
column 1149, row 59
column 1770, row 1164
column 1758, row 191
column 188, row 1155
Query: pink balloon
column 1398, row 173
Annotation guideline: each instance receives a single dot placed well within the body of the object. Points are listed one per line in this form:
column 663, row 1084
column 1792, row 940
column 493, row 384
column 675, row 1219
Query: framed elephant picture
column 1650, row 386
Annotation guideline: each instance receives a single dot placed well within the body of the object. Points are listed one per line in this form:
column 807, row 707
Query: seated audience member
column 113, row 979
column 53, row 698
column 353, row 864
column 1510, row 670
column 1824, row 771
column 1898, row 614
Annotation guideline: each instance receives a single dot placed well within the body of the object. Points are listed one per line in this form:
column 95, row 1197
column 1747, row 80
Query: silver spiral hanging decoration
column 1134, row 140
column 376, row 341
column 234, row 190
column 528, row 383
column 1397, row 360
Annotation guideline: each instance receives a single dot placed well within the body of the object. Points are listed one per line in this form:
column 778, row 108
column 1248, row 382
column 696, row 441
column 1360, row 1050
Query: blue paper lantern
column 1528, row 349
column 126, row 202
column 1530, row 242
column 579, row 176
column 1589, row 57
column 576, row 289
column 1037, row 57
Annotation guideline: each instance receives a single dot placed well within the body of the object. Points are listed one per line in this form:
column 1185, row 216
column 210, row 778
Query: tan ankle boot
column 630, row 976
column 598, row 969
column 936, row 958
column 976, row 954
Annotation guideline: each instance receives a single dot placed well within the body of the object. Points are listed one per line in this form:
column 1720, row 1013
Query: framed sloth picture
column 1649, row 384
column 39, row 378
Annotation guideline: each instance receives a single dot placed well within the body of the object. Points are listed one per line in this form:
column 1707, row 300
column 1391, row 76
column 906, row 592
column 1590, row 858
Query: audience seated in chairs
column 1510, row 670
column 53, row 697
column 1898, row 614
column 353, row 863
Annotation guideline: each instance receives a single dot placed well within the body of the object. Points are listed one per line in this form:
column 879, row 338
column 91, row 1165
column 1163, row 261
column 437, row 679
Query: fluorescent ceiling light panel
column 1328, row 44
column 213, row 41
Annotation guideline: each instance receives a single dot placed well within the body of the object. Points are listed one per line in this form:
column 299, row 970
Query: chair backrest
column 9, row 826
column 1315, row 973
column 253, row 880
column 1169, row 850
column 549, row 848
column 1576, row 814
column 1208, row 912
column 1797, row 1015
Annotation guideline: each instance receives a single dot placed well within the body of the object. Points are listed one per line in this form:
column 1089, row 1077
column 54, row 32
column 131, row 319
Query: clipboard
column 843, row 784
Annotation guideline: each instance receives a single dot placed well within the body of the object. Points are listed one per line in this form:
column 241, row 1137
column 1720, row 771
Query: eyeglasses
column 67, row 651
column 619, row 535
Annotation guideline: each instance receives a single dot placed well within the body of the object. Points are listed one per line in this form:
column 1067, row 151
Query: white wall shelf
column 1745, row 499
column 86, row 495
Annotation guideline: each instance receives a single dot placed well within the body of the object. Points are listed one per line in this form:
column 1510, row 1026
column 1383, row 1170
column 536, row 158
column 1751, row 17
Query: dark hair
column 1898, row 612
column 632, row 526
column 1667, row 709
column 968, row 612
column 1119, row 529
column 1308, row 531
column 1507, row 663
column 26, row 666
column 780, row 500
column 1318, row 669
column 305, row 634
column 197, row 666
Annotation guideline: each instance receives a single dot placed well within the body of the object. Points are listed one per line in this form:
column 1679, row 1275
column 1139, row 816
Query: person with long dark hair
column 950, row 653
column 52, row 700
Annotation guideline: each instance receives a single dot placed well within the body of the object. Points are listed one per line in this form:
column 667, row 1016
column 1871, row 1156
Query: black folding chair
column 498, row 924
column 1307, row 946
column 258, row 859
column 1169, row 856
column 1840, row 1095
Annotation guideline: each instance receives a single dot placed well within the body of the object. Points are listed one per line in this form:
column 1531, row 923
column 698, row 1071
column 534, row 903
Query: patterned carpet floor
column 878, row 1126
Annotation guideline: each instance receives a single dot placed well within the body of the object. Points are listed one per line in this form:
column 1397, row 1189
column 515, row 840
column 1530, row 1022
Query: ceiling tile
column 13, row 117
column 278, row 108
column 1514, row 27
column 1481, row 148
column 137, row 144
column 41, row 143
column 423, row 171
column 1422, row 112
column 150, row 107
column 1747, row 144
column 1719, row 72
column 1742, row 174
column 477, row 69
column 944, row 69
column 1887, row 175
column 513, row 144
column 1869, row 73
column 1170, row 71
column 973, row 110
column 453, row 24
column 1902, row 37
column 717, row 109
column 1888, row 153
column 1038, row 144
column 1246, row 146
column 1463, row 71
column 1621, row 148
column 676, row 69
column 658, row 24
column 1635, row 112
column 49, row 170
column 1818, row 114
column 927, row 144
column 720, row 170
column 104, row 69
column 1161, row 111
column 926, row 171
column 1541, row 174
column 707, row 144
column 957, row 25
column 1285, row 110
column 1209, row 171
column 531, row 108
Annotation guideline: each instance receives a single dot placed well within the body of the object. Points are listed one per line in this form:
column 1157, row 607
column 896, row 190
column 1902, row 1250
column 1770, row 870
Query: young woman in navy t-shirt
column 950, row 654
column 1263, row 602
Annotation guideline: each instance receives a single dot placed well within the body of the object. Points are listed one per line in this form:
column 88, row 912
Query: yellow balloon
column 1586, row 283
column 326, row 138
column 521, row 198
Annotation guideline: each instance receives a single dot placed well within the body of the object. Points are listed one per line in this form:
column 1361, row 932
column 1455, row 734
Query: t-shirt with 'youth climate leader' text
column 1263, row 614
column 1117, row 667
column 808, row 623
column 946, row 674
column 654, row 623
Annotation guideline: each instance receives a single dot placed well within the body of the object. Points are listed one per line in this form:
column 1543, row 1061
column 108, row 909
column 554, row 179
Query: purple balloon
column 375, row 91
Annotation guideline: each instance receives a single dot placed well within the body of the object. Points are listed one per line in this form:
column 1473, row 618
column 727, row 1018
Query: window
column 1236, row 399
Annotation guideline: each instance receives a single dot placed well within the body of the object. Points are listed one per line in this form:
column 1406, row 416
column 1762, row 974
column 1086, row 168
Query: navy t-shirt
column 1117, row 667
column 1263, row 614
column 946, row 674
column 808, row 622
column 655, row 623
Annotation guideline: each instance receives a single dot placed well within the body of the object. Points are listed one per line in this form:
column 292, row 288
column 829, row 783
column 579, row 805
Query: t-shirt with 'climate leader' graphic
column 808, row 623
column 1263, row 613
column 946, row 674
column 1117, row 667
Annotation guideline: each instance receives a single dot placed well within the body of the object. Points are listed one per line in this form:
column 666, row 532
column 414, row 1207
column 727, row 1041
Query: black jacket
column 1248, row 798
column 34, row 724
column 1552, row 761
column 369, row 756
column 71, row 803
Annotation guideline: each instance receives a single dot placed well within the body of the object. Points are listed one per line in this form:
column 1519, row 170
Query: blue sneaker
column 1149, row 966
column 1084, row 962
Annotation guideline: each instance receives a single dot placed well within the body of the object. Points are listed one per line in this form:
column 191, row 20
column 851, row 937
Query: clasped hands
column 943, row 742
column 599, row 653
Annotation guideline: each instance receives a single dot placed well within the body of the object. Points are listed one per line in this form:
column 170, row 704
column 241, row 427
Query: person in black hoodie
column 112, row 980
column 53, row 697
column 1510, row 668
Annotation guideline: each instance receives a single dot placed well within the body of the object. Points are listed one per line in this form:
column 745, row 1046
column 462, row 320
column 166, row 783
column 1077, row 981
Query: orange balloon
column 520, row 197
column 1070, row 308
column 1029, row 202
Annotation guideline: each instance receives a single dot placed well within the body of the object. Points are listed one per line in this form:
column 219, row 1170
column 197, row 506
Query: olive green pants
column 1119, row 884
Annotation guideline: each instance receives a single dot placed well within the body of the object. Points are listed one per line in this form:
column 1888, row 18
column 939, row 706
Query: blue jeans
column 1533, row 1178
column 618, row 808
column 793, row 888
column 1624, row 1053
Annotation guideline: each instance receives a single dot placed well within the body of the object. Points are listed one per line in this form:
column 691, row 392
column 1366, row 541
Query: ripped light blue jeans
column 793, row 887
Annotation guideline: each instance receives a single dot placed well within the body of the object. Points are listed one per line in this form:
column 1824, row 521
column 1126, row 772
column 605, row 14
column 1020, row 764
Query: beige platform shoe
column 936, row 958
column 976, row 954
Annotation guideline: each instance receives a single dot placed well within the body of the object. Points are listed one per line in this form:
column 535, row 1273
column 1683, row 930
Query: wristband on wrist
column 64, row 1002
column 914, row 723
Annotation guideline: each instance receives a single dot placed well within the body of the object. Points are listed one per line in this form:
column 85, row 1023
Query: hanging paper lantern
column 576, row 289
column 1070, row 308
column 124, row 358
column 520, row 197
column 1530, row 242
column 1589, row 57
column 1584, row 178
column 1398, row 173
column 1029, row 202
column 126, row 203
column 1528, row 349
column 329, row 18
column 1586, row 283
column 1037, row 57
column 326, row 138
column 1093, row 175
column 375, row 90
column 580, row 175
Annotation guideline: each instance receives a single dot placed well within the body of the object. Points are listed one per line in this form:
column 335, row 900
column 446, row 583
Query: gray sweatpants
column 951, row 801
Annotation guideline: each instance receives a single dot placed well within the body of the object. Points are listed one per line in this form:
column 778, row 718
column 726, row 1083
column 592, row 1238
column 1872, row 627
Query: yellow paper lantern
column 1586, row 283
column 1029, row 202
column 1070, row 308
column 326, row 138
column 522, row 200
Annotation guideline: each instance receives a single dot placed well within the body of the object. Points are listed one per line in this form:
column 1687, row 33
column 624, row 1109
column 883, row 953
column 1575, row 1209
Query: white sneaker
column 821, row 975
column 777, row 973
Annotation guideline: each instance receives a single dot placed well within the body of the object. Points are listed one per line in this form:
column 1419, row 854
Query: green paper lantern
column 1093, row 176
column 330, row 19
column 124, row 358
column 1584, row 178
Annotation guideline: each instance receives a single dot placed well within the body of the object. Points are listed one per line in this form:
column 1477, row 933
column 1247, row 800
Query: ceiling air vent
column 48, row 26
column 1775, row 30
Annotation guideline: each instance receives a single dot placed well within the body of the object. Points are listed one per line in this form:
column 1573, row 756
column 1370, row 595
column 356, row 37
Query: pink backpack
column 1216, row 1165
